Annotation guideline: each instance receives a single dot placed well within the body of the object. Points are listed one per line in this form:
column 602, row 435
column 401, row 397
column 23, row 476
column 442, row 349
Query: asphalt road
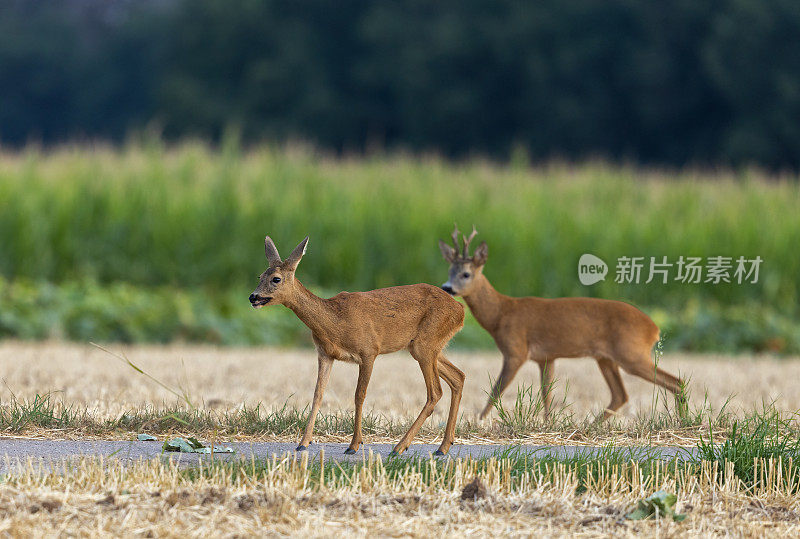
column 18, row 450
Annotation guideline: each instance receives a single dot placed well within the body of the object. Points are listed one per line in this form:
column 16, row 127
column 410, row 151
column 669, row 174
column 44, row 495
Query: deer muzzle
column 448, row 288
column 259, row 301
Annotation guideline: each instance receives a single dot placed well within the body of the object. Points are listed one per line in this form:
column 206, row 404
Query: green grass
column 40, row 412
column 755, row 447
column 519, row 468
column 742, row 447
column 49, row 412
column 749, row 445
column 167, row 243
column 762, row 435
column 194, row 217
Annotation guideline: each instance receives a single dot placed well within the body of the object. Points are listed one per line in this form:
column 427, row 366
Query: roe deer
column 612, row 332
column 357, row 327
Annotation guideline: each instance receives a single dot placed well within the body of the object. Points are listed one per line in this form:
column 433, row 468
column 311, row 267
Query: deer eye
column 465, row 274
column 276, row 279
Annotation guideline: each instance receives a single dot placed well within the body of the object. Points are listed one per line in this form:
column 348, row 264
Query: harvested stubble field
column 234, row 390
column 587, row 496
column 411, row 498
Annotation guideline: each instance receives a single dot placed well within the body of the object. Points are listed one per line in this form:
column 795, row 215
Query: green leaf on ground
column 217, row 449
column 192, row 445
column 146, row 438
column 659, row 504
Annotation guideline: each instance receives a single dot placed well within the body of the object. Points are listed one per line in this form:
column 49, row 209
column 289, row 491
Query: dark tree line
column 668, row 82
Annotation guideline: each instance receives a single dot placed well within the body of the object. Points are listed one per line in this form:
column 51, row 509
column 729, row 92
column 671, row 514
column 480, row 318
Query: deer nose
column 447, row 288
column 253, row 297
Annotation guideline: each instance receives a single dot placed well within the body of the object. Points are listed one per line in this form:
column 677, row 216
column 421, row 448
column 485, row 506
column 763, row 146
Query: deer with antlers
column 614, row 333
column 357, row 327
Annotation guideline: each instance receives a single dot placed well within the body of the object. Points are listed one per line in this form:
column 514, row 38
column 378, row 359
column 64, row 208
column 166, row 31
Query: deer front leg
column 323, row 374
column 546, row 369
column 364, row 372
column 512, row 361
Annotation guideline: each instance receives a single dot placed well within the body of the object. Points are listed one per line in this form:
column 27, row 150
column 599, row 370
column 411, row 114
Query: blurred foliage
column 191, row 217
column 670, row 82
column 148, row 243
column 87, row 311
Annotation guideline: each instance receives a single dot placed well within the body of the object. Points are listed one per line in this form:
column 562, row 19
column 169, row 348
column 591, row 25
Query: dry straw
column 286, row 495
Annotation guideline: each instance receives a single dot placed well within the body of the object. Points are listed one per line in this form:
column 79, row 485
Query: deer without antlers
column 357, row 327
column 614, row 333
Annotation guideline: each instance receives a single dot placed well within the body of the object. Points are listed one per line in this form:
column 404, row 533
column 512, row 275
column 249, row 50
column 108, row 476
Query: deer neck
column 312, row 310
column 485, row 303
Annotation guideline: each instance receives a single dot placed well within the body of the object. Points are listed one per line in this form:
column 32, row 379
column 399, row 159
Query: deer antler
column 467, row 241
column 454, row 235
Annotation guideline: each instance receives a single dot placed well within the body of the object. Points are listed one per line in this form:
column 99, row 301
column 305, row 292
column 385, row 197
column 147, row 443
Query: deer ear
column 481, row 254
column 448, row 252
column 294, row 259
column 271, row 251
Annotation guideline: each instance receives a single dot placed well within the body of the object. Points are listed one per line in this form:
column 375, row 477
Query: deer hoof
column 301, row 448
column 439, row 453
column 349, row 451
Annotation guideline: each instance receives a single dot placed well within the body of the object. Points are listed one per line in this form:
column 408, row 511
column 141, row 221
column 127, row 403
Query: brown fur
column 357, row 327
column 616, row 334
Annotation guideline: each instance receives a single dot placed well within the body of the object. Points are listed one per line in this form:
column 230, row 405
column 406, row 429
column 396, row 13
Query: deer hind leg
column 454, row 378
column 364, row 373
column 546, row 372
column 512, row 362
column 644, row 367
column 427, row 359
column 323, row 375
column 619, row 396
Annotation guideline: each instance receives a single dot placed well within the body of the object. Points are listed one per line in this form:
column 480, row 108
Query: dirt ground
column 224, row 378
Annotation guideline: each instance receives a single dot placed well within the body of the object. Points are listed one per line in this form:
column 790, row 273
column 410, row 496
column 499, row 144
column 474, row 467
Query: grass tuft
column 764, row 435
column 41, row 411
